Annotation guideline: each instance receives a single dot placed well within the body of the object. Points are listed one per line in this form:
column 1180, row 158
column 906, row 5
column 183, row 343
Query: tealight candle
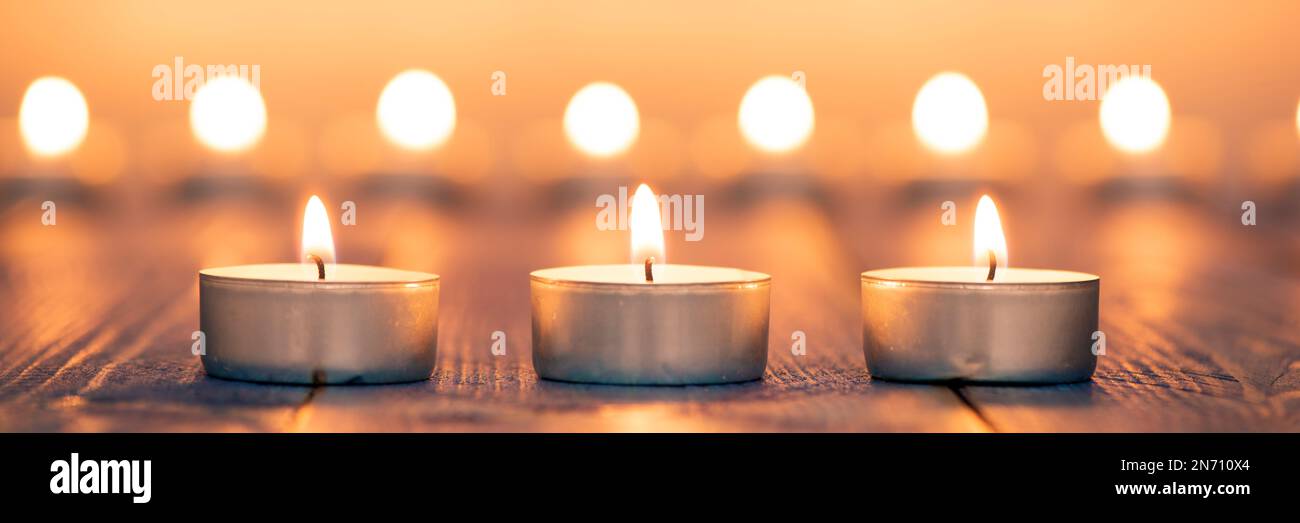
column 318, row 322
column 648, row 322
column 983, row 323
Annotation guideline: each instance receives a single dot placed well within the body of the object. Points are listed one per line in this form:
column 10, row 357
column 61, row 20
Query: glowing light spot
column 1135, row 115
column 416, row 110
column 949, row 114
column 53, row 117
column 988, row 234
column 317, row 238
column 647, row 227
column 776, row 115
column 601, row 120
column 228, row 114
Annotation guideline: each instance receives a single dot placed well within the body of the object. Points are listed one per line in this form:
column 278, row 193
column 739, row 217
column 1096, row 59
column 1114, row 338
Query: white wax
column 979, row 275
column 664, row 274
column 341, row 273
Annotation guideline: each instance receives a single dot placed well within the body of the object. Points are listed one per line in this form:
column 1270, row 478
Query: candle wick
column 320, row 265
column 993, row 264
column 649, row 269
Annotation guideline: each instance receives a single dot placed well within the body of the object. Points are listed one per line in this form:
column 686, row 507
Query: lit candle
column 318, row 322
column 988, row 322
column 648, row 322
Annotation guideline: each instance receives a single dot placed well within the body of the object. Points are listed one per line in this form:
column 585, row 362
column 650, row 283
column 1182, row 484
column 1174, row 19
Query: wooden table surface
column 1200, row 312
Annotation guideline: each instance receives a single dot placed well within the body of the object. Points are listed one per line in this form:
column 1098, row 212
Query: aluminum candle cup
column 280, row 323
column 948, row 323
column 693, row 325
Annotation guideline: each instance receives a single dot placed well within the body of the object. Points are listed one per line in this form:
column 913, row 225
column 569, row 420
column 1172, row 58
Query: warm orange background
column 1230, row 70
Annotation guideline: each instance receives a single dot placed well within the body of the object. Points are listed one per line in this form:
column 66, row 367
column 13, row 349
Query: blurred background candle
column 1135, row 118
column 228, row 118
column 315, row 84
column 601, row 120
column 416, row 116
column 53, row 117
column 776, row 119
column 949, row 114
column 950, row 120
column 601, row 124
column 63, row 152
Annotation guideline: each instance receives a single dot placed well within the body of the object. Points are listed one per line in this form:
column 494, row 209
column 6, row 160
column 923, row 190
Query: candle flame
column 988, row 234
column 647, row 227
column 317, row 239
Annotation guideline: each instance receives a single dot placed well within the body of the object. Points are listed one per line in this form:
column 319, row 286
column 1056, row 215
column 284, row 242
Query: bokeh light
column 228, row 114
column 416, row 110
column 1135, row 115
column 949, row 114
column 601, row 120
column 53, row 117
column 776, row 115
